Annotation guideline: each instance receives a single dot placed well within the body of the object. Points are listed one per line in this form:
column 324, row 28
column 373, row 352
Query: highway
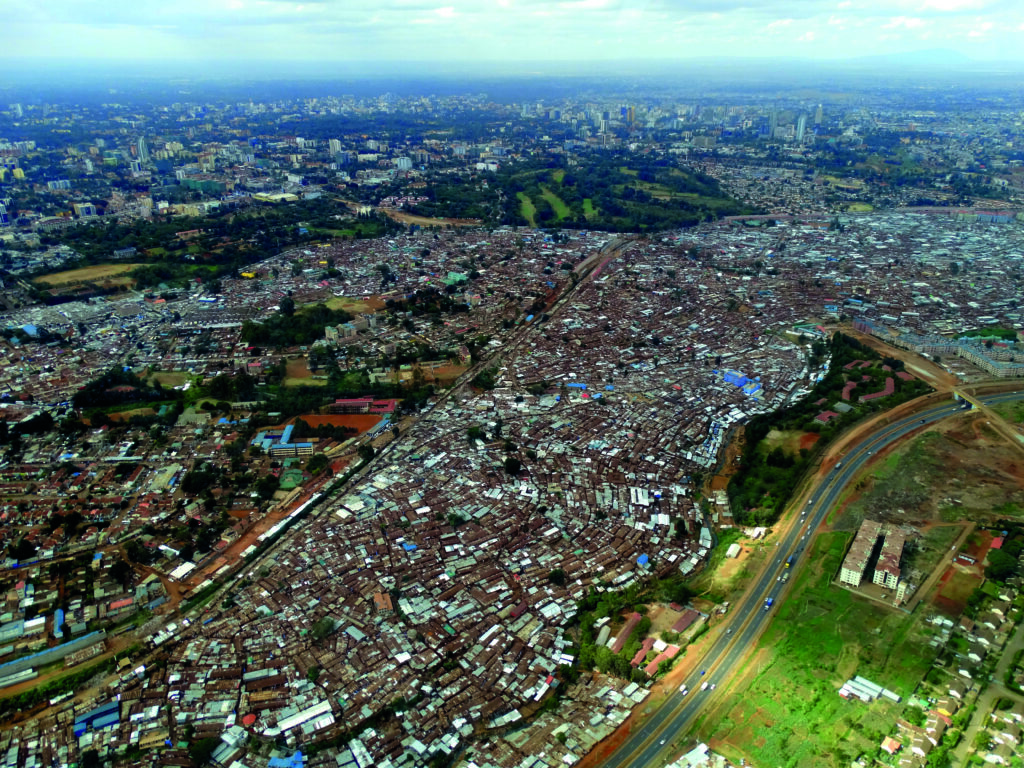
column 650, row 745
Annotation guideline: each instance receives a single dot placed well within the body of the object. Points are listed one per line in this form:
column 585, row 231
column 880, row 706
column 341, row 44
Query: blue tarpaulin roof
column 408, row 547
column 642, row 560
column 295, row 761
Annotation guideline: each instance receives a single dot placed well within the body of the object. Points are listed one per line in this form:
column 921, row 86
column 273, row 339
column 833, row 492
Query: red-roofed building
column 646, row 646
column 890, row 745
column 623, row 636
column 890, row 387
column 825, row 416
column 683, row 622
column 669, row 653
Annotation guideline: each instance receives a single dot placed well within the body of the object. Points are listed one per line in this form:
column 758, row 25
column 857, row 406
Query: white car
column 704, row 686
column 713, row 686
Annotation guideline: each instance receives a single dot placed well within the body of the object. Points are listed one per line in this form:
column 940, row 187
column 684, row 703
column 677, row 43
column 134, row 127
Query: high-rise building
column 334, row 146
column 143, row 150
column 18, row 111
column 773, row 122
column 801, row 128
column 818, row 115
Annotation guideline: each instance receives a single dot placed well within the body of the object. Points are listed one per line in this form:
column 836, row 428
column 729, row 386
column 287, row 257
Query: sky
column 506, row 31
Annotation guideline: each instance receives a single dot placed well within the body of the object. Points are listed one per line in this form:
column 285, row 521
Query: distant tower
column 818, row 115
column 334, row 146
column 143, row 150
column 773, row 122
column 801, row 128
column 631, row 115
column 18, row 111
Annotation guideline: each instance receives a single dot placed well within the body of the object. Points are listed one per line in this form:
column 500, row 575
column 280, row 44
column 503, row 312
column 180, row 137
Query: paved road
column 651, row 745
column 995, row 689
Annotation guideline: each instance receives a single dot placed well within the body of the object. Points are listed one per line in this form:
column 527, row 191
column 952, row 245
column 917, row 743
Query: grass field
column 557, row 204
column 1012, row 411
column 588, row 208
column 92, row 274
column 557, row 175
column 787, row 712
column 170, row 379
column 527, row 208
column 860, row 207
column 354, row 305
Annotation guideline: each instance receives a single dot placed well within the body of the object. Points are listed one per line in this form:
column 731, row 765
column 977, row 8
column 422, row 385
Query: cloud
column 470, row 30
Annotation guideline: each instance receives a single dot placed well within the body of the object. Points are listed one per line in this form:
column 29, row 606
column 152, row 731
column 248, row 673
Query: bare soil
column 361, row 421
column 424, row 221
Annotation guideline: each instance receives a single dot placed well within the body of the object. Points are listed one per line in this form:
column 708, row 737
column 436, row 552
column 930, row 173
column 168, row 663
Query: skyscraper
column 334, row 146
column 801, row 128
column 143, row 150
column 773, row 122
column 818, row 115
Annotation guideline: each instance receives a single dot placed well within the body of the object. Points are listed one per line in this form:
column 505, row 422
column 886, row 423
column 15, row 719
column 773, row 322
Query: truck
column 785, row 577
column 768, row 603
column 789, row 562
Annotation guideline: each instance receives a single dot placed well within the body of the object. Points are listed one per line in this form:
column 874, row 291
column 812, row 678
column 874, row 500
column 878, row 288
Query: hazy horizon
column 391, row 34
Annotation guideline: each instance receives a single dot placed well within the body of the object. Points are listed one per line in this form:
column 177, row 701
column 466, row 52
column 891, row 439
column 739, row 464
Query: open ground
column 821, row 636
column 97, row 273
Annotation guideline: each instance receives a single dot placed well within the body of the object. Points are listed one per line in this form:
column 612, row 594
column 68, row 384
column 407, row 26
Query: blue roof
column 408, row 547
column 642, row 560
column 295, row 761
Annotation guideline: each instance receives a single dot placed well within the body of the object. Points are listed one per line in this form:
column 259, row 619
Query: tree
column 287, row 306
column 512, row 465
column 202, row 750
column 317, row 464
column 121, row 572
column 1000, row 565
column 366, row 452
column 557, row 577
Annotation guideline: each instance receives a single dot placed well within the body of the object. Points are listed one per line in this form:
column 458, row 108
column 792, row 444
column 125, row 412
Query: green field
column 557, row 205
column 527, row 209
column 1012, row 411
column 603, row 192
column 788, row 712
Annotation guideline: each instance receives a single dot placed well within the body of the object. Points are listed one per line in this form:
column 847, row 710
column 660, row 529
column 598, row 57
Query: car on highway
column 683, row 689
column 704, row 685
column 713, row 686
column 702, row 672
column 662, row 742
